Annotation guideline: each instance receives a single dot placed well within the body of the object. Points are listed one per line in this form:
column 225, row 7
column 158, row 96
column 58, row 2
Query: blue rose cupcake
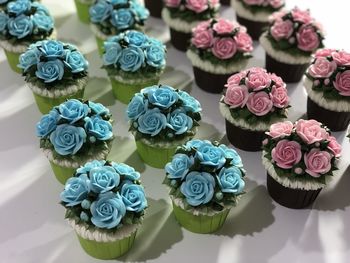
column 161, row 119
column 111, row 17
column 105, row 204
column 23, row 22
column 74, row 133
column 133, row 61
column 205, row 180
column 55, row 72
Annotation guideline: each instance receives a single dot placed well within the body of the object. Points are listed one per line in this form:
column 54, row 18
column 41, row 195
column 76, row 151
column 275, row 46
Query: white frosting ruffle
column 137, row 80
column 215, row 69
column 261, row 16
column 97, row 32
column 178, row 24
column 280, row 55
column 332, row 105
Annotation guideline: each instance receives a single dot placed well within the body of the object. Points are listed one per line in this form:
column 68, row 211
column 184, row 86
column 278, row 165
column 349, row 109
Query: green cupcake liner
column 107, row 250
column 46, row 104
column 83, row 11
column 124, row 92
column 62, row 173
column 100, row 46
column 13, row 60
column 201, row 224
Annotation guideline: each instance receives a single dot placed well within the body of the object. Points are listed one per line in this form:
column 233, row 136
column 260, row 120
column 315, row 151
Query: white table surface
column 32, row 228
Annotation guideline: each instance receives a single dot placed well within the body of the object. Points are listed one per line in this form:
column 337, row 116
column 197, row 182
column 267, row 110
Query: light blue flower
column 152, row 122
column 142, row 13
column 43, row 22
column 211, row 155
column 155, row 56
column 164, row 96
column 89, row 165
column 100, row 11
column 75, row 190
column 47, row 124
column 131, row 59
column 20, row 27
column 133, row 197
column 136, row 107
column 122, row 19
column 230, row 180
column 118, row 2
column 98, row 108
column 3, row 2
column 50, row 71
column 108, row 210
column 76, row 61
column 18, row 7
column 136, row 38
column 73, row 110
column 99, row 128
column 189, row 102
column 179, row 166
column 232, row 154
column 67, row 139
column 4, row 18
column 52, row 49
column 179, row 122
column 112, row 53
column 29, row 58
column 194, row 144
column 155, row 42
column 198, row 188
column 103, row 179
column 40, row 8
column 127, row 171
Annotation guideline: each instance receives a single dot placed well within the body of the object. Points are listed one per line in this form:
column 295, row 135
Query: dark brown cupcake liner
column 244, row 139
column 290, row 73
column 155, row 7
column 225, row 2
column 335, row 121
column 213, row 83
column 254, row 28
column 289, row 197
column 180, row 40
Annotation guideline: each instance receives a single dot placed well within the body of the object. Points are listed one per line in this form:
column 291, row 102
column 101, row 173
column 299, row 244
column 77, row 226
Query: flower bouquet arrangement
column 83, row 7
column 327, row 84
column 300, row 159
column 183, row 15
column 133, row 61
column 218, row 49
column 155, row 7
column 289, row 42
column 254, row 99
column 161, row 119
column 55, row 72
column 254, row 14
column 111, row 17
column 105, row 204
column 74, row 133
column 23, row 22
column 205, row 180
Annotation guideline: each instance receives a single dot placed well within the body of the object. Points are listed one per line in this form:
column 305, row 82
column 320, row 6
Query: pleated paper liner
column 247, row 140
column 107, row 250
column 202, row 224
column 83, row 11
column 62, row 173
column 335, row 121
column 13, row 60
column 45, row 104
column 254, row 28
column 155, row 7
column 180, row 40
column 100, row 45
column 289, row 197
column 213, row 83
column 225, row 2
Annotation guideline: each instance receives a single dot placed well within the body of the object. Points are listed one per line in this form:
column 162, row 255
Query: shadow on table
column 208, row 131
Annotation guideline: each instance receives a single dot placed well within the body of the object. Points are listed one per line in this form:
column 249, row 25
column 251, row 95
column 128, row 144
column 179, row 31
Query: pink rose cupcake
column 183, row 15
column 327, row 83
column 289, row 42
column 253, row 100
column 155, row 7
column 218, row 49
column 254, row 14
column 300, row 159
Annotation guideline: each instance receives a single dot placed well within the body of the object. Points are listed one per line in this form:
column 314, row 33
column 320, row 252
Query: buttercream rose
column 131, row 59
column 280, row 129
column 310, row 131
column 73, row 110
column 322, row 68
column 189, row 103
column 136, row 107
column 342, row 58
column 43, row 22
column 127, row 171
column 103, row 179
column 136, row 38
column 47, row 124
column 211, row 155
column 163, row 97
column 155, row 56
column 259, row 103
column 317, row 162
column 112, row 53
column 224, row 48
column 52, row 49
column 258, row 80
column 90, row 165
column 133, row 197
column 179, row 166
column 75, row 190
column 325, row 52
column 279, row 97
column 202, row 38
column 276, row 3
column 236, row 78
column 342, row 83
column 152, row 122
column 244, row 42
column 18, row 7
column 302, row 16
column 179, row 121
column 223, row 26
column 20, row 26
column 76, row 61
column 98, row 108
column 233, row 155
column 308, row 39
column 334, row 146
column 286, row 154
column 236, row 96
column 100, row 11
column 28, row 59
column 122, row 18
column 198, row 6
column 99, row 128
column 282, row 29
column 50, row 71
column 230, row 180
column 195, row 144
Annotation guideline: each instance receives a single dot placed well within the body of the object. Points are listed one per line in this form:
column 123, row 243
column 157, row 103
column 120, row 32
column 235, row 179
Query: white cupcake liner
column 178, row 24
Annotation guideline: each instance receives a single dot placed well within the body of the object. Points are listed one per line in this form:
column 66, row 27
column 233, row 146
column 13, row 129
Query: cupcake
column 289, row 42
column 205, row 181
column 23, row 22
column 218, row 49
column 161, row 119
column 254, row 99
column 327, row 84
column 300, row 159
column 109, row 18
column 133, row 61
column 83, row 7
column 105, row 204
column 155, row 7
column 255, row 14
column 74, row 133
column 55, row 72
column 183, row 15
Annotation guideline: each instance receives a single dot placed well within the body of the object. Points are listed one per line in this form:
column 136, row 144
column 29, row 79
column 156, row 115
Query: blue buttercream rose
column 209, row 154
column 194, row 144
column 76, row 61
column 136, row 38
column 50, row 71
column 18, row 7
column 155, row 42
column 40, row 8
column 189, row 103
column 163, row 97
column 89, row 165
column 3, row 21
column 96, row 126
column 137, row 106
column 75, row 190
column 127, row 171
column 73, row 110
column 179, row 122
column 133, row 197
column 103, row 179
column 118, row 2
column 52, row 49
column 20, row 27
column 98, row 108
column 47, row 124
column 179, row 166
column 152, row 122
column 29, row 58
column 232, row 154
column 112, row 54
column 100, row 11
column 198, row 188
column 43, row 22
column 108, row 210
column 122, row 19
column 131, row 59
column 141, row 12
column 230, row 180
column 67, row 139
column 155, row 56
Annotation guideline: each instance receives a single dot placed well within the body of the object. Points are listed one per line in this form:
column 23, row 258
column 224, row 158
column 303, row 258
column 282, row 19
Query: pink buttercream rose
column 277, row 80
column 325, row 52
column 224, row 48
column 276, row 3
column 236, row 96
column 282, row 29
column 197, row 6
column 277, row 15
column 317, row 162
column 342, row 58
column 286, row 154
column 301, row 15
column 334, row 146
column 279, row 97
column 223, row 26
column 214, row 3
column 322, row 68
column 307, row 38
column 259, row 103
column 172, row 3
column 310, row 131
column 236, row 79
column 258, row 80
column 280, row 129
column 254, row 2
column 202, row 38
column 244, row 42
column 342, row 83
